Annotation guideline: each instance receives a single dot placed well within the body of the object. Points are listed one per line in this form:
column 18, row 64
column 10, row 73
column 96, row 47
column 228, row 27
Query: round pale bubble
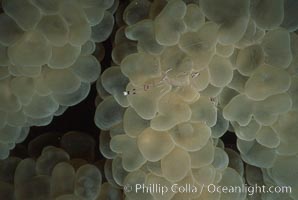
column 101, row 31
column 87, row 68
column 23, row 12
column 62, row 81
column 267, row 14
column 231, row 178
column 48, row 7
column 277, row 48
column 256, row 154
column 87, row 182
column 64, row 56
column 136, row 11
column 221, row 159
column 32, row 49
column 204, row 175
column 108, row 114
column 132, row 158
column 55, row 29
column 49, row 158
column 176, row 165
column 62, row 179
column 169, row 23
column 154, row 145
column 239, row 109
column 73, row 98
column 191, row 137
column 194, row 17
column 118, row 172
column 41, row 106
column 267, row 137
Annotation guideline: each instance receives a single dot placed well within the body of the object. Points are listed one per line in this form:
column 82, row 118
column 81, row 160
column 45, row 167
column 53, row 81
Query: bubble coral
column 46, row 61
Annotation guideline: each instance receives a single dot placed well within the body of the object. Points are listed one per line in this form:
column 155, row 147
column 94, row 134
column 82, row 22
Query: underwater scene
column 148, row 99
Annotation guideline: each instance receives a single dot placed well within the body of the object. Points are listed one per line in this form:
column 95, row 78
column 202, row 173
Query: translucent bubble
column 191, row 136
column 239, row 109
column 87, row 68
column 220, row 71
column 11, row 33
column 132, row 159
column 247, row 132
column 204, row 175
column 285, row 127
column 135, row 178
column 54, row 28
column 8, row 101
column 23, row 12
column 118, row 172
column 23, row 88
column 32, row 49
column 203, row 111
column 101, row 31
column 256, row 154
column 268, row 137
column 249, row 59
column 235, row 161
column 88, row 48
column 176, row 165
column 108, row 113
column 9, row 134
column 140, row 67
column 169, row 23
column 44, row 121
column 171, row 111
column 94, row 14
column 133, row 124
column 290, row 15
column 48, row 7
column 62, row 81
column 224, row 50
column 88, row 182
column 136, row 11
column 74, row 98
column 194, row 17
column 154, row 168
column 231, row 177
column 62, row 180
column 154, row 145
column 282, row 165
column 24, row 172
column 221, row 159
column 104, row 145
column 267, row 14
column 145, row 103
column 277, row 48
column 49, row 158
column 238, row 82
column 220, row 127
column 152, row 179
column 72, row 12
column 79, row 33
column 144, row 33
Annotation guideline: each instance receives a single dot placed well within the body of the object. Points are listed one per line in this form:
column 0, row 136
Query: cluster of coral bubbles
column 183, row 74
